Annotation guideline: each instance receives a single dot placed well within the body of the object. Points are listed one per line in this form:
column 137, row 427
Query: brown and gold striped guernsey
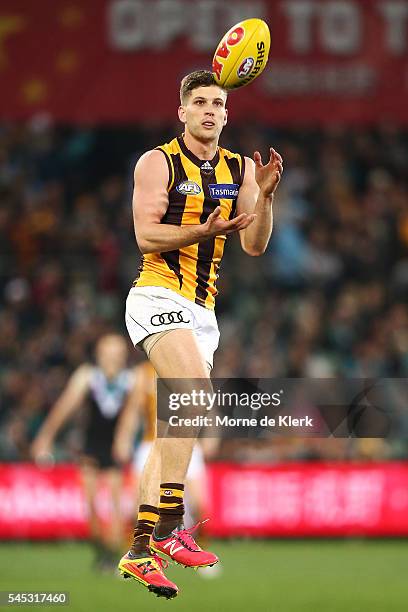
column 196, row 187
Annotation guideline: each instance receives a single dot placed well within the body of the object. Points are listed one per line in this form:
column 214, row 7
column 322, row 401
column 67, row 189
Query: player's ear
column 226, row 116
column 182, row 114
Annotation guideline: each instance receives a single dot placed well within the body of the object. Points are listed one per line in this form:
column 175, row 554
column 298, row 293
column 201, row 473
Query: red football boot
column 181, row 548
column 149, row 572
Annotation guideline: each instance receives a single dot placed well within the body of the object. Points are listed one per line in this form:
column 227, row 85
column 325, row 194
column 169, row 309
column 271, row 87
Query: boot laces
column 156, row 563
column 184, row 537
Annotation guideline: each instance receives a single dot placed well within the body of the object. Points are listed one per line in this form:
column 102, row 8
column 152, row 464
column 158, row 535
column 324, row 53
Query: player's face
column 204, row 113
column 111, row 355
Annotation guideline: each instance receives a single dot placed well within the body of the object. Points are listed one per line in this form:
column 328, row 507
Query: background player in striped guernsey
column 189, row 194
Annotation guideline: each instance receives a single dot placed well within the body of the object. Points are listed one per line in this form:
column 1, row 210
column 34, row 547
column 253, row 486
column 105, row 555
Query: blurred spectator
column 329, row 298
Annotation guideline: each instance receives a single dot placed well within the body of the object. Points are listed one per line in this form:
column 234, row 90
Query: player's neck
column 202, row 150
column 110, row 374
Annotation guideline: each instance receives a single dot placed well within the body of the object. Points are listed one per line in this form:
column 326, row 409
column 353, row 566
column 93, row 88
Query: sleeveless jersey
column 106, row 399
column 196, row 187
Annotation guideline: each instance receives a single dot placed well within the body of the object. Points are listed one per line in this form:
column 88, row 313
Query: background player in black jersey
column 105, row 388
column 188, row 195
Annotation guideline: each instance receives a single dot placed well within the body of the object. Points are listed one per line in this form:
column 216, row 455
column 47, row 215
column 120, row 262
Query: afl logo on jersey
column 227, row 191
column 189, row 188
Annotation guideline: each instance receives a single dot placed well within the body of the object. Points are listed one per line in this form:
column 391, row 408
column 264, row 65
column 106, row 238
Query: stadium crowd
column 329, row 298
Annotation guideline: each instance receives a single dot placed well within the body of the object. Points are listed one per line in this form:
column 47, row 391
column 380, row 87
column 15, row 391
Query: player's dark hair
column 198, row 78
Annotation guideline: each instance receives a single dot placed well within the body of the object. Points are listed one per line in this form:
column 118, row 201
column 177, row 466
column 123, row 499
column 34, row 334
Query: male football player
column 106, row 388
column 188, row 195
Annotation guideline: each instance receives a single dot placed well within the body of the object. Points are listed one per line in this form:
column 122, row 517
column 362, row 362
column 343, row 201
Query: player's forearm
column 47, row 433
column 257, row 235
column 55, row 421
column 127, row 424
column 159, row 238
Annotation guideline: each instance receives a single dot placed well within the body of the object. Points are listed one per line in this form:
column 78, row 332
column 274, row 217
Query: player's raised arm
column 69, row 401
column 256, row 197
column 150, row 202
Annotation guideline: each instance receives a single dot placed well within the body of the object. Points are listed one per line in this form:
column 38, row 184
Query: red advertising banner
column 48, row 503
column 284, row 500
column 310, row 500
column 121, row 60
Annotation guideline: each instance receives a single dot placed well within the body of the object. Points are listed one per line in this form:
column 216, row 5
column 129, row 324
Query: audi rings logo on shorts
column 167, row 318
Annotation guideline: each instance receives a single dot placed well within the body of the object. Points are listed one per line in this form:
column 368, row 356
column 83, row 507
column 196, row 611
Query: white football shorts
column 150, row 310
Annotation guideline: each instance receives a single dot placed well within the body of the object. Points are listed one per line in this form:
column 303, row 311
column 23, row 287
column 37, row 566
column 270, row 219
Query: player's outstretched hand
column 268, row 176
column 215, row 225
column 40, row 450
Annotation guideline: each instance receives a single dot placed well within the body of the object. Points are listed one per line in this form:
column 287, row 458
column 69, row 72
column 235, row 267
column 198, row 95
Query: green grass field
column 269, row 576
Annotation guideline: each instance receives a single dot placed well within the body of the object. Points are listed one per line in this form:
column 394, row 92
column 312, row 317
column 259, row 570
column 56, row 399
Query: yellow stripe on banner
column 148, row 516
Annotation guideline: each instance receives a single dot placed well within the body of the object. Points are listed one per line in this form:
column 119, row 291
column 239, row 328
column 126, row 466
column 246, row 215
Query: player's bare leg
column 168, row 458
column 115, row 483
column 90, row 476
column 150, row 478
column 176, row 356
